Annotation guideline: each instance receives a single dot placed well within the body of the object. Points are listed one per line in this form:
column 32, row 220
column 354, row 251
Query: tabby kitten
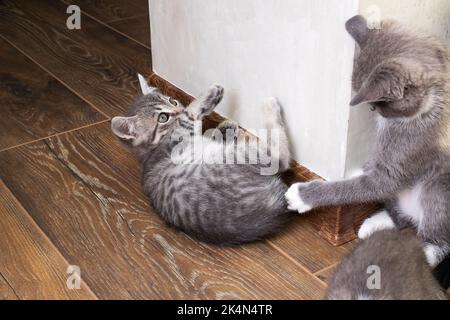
column 405, row 78
column 225, row 204
column 389, row 265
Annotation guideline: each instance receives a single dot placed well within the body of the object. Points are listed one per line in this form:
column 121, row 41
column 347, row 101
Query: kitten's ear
column 124, row 127
column 357, row 27
column 384, row 84
column 145, row 88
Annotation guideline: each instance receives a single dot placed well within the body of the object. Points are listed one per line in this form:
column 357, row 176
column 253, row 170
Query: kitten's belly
column 409, row 202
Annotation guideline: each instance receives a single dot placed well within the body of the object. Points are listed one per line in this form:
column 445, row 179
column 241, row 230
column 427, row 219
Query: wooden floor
column 70, row 193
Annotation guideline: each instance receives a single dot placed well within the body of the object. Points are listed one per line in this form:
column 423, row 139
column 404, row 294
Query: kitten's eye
column 163, row 117
column 173, row 102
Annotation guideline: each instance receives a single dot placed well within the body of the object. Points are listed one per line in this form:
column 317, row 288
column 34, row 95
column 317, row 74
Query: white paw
column 379, row 221
column 434, row 254
column 294, row 200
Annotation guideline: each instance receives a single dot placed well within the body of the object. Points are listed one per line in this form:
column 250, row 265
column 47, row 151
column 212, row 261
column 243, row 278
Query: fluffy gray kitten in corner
column 405, row 77
column 225, row 204
column 389, row 265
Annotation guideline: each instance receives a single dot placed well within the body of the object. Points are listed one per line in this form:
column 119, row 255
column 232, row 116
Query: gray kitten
column 389, row 265
column 405, row 78
column 224, row 204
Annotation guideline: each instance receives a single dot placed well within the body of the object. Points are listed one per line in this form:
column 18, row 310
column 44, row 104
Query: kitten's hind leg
column 434, row 221
column 389, row 218
column 379, row 221
column 278, row 142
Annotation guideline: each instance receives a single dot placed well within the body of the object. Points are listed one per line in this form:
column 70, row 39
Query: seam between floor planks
column 113, row 20
column 44, row 235
column 325, row 269
column 112, row 28
column 79, row 178
column 9, row 284
column 295, row 261
column 56, row 78
column 55, row 135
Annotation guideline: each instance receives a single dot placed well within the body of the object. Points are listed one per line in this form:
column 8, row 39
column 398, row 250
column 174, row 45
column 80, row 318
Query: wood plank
column 6, row 292
column 303, row 244
column 34, row 104
column 30, row 263
column 112, row 10
column 96, row 62
column 137, row 28
column 142, row 5
column 325, row 274
column 84, row 191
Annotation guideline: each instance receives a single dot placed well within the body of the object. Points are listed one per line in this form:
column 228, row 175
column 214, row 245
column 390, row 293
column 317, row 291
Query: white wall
column 295, row 50
column 430, row 16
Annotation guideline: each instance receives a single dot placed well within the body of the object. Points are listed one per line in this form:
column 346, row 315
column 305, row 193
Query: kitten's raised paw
column 377, row 222
column 295, row 202
column 214, row 95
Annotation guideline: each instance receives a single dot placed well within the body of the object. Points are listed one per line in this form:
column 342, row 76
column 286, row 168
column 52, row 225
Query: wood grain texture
column 301, row 242
column 95, row 62
column 34, row 104
column 112, row 10
column 135, row 21
column 6, row 292
column 32, row 266
column 325, row 274
column 137, row 28
column 83, row 190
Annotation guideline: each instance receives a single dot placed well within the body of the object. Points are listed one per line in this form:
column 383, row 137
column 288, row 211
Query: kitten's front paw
column 295, row 202
column 214, row 95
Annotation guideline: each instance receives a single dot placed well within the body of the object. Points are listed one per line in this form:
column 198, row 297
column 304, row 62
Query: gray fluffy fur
column 404, row 272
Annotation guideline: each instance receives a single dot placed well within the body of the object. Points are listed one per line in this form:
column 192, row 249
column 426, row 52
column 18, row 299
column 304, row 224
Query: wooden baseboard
column 338, row 225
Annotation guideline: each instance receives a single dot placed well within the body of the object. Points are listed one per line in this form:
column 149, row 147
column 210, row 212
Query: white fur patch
column 434, row 254
column 379, row 221
column 410, row 206
column 294, row 199
column 428, row 103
